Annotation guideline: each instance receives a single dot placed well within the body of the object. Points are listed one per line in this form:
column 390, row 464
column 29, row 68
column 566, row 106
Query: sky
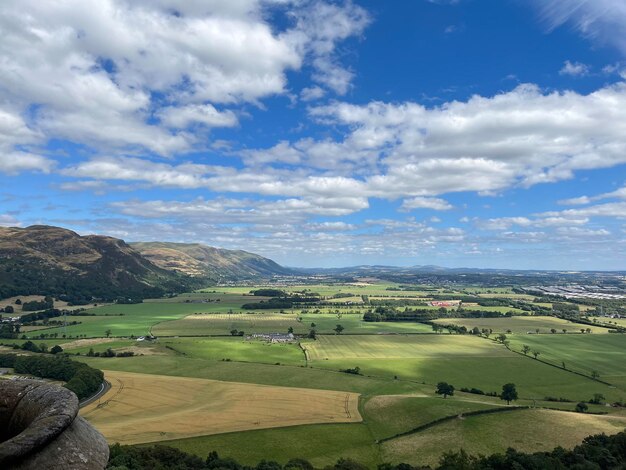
column 320, row 133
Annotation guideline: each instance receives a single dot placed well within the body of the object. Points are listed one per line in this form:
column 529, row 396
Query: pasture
column 605, row 354
column 268, row 322
column 525, row 430
column 520, row 324
column 150, row 408
column 464, row 361
column 236, row 349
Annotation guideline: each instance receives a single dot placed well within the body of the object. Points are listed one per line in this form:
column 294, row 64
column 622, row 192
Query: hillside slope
column 51, row 260
column 195, row 259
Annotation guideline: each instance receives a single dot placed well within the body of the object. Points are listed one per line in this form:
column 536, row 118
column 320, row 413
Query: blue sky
column 479, row 133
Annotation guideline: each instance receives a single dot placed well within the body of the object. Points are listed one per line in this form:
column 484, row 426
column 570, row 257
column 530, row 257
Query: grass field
column 525, row 430
column 237, row 349
column 520, row 325
column 583, row 353
column 463, row 361
column 321, row 444
column 223, row 323
column 149, row 408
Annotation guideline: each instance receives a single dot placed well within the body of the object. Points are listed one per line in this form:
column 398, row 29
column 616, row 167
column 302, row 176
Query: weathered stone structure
column 40, row 429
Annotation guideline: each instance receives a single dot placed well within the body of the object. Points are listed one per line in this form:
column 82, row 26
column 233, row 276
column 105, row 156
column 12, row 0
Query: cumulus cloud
column 425, row 203
column 98, row 71
column 575, row 69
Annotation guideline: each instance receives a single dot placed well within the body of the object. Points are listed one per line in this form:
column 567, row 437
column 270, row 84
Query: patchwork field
column 149, row 408
column 223, row 323
column 521, row 325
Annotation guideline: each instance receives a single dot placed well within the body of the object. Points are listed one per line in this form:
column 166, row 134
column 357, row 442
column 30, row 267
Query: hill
column 51, row 260
column 194, row 259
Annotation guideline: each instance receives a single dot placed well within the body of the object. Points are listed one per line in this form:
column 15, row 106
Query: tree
column 8, row 309
column 56, row 349
column 581, row 407
column 597, row 399
column 553, row 330
column 290, row 329
column 564, row 330
column 234, row 332
column 509, row 393
column 525, row 349
column 18, row 302
column 312, row 334
column 595, row 375
column 445, row 389
column 107, row 333
column 536, row 354
column 313, row 325
column 338, row 329
column 501, row 338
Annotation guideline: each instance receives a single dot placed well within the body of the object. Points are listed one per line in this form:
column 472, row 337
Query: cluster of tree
column 109, row 353
column 81, row 379
column 279, row 303
column 595, row 452
column 7, row 309
column 9, row 330
column 46, row 303
column 355, row 370
column 268, row 293
column 477, row 391
column 42, row 348
column 129, row 300
column 508, row 394
column 50, row 313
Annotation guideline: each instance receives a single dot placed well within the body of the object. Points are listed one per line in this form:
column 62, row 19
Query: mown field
column 149, row 408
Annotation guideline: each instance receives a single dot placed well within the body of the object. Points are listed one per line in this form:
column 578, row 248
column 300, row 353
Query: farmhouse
column 273, row 337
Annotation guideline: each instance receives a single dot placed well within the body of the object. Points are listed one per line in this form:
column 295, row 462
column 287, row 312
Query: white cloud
column 575, row 69
column 99, row 70
column 599, row 20
column 312, row 93
column 433, row 203
column 7, row 220
column 182, row 116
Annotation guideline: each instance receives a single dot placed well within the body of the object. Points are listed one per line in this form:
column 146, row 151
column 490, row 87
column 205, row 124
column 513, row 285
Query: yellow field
column 148, row 408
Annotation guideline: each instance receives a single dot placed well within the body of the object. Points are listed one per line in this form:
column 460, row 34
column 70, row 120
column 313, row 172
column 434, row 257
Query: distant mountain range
column 43, row 259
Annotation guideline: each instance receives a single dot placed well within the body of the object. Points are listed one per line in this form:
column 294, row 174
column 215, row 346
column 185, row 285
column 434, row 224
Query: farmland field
column 199, row 388
column 521, row 324
column 525, row 430
column 583, row 353
column 149, row 408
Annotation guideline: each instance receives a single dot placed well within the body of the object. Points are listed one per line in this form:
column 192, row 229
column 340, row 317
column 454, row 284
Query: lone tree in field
column 525, row 349
column 581, row 407
column 595, row 375
column 338, row 329
column 536, row 354
column 56, row 349
column 509, row 393
column 445, row 389
column 107, row 333
column 501, row 338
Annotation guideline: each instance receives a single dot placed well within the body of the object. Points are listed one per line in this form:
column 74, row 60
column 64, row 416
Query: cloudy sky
column 481, row 133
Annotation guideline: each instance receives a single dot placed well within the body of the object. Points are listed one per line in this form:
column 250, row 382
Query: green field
column 268, row 322
column 521, row 324
column 605, row 354
column 525, row 430
column 236, row 349
column 463, row 361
